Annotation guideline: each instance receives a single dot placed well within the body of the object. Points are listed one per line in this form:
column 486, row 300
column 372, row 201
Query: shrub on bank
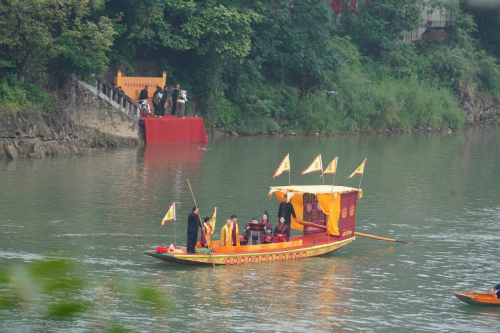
column 17, row 93
column 369, row 104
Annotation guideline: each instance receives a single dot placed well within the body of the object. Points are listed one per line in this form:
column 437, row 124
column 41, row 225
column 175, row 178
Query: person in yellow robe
column 207, row 231
column 225, row 234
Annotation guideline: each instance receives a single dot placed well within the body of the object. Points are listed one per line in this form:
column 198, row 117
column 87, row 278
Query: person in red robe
column 268, row 237
column 281, row 231
column 235, row 231
column 265, row 220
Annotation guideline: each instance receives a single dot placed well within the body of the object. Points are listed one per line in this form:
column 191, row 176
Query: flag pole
column 322, row 175
column 333, row 183
column 175, row 228
column 199, row 219
column 359, row 186
column 289, row 169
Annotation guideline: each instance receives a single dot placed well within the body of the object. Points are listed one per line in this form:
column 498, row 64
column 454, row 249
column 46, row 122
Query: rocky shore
column 34, row 134
column 87, row 124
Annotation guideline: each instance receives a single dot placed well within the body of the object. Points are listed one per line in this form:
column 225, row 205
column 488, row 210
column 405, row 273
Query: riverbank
column 35, row 134
column 219, row 133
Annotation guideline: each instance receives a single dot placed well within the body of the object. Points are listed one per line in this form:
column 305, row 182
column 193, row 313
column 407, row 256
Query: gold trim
column 242, row 259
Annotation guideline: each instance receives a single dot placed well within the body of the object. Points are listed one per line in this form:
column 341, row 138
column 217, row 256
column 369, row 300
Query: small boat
column 326, row 215
column 479, row 299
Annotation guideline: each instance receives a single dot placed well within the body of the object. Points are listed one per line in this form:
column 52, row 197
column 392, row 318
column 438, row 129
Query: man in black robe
column 164, row 100
column 286, row 210
column 157, row 101
column 192, row 230
column 144, row 94
column 175, row 96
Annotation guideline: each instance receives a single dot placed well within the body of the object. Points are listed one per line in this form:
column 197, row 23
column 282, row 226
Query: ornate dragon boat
column 326, row 215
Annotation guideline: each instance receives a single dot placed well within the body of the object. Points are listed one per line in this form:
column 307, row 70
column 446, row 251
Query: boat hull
column 243, row 258
column 478, row 299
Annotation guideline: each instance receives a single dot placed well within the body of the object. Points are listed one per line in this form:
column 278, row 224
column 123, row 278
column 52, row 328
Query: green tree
column 381, row 22
column 58, row 36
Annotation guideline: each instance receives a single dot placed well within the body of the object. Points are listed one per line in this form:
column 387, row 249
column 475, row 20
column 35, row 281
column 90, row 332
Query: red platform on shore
column 173, row 129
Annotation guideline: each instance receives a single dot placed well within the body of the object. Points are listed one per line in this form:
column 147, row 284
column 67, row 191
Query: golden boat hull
column 249, row 257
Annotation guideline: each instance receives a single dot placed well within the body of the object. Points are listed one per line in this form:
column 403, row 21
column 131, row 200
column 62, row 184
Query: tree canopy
column 252, row 64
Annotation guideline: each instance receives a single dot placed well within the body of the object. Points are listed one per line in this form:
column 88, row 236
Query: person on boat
column 192, row 230
column 265, row 220
column 235, row 231
column 268, row 237
column 496, row 290
column 281, row 231
column 286, row 210
column 225, row 234
column 207, row 231
column 250, row 237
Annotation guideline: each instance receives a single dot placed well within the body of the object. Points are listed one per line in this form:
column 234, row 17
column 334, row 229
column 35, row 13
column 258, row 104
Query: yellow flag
column 332, row 167
column 170, row 215
column 359, row 170
column 213, row 219
column 316, row 165
column 284, row 166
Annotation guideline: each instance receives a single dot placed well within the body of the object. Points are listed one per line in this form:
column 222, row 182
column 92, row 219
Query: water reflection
column 169, row 165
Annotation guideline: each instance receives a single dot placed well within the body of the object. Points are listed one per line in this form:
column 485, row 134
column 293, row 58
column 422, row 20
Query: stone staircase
column 106, row 92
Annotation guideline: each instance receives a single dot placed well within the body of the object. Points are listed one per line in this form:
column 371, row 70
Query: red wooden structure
column 347, row 219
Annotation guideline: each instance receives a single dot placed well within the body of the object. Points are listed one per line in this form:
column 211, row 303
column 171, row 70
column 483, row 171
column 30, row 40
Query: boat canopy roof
column 312, row 189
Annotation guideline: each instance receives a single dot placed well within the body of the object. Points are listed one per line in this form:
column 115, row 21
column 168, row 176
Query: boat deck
column 295, row 243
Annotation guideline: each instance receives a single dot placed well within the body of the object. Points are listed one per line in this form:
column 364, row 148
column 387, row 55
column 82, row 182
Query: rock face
column 84, row 125
column 36, row 135
column 86, row 109
column 480, row 111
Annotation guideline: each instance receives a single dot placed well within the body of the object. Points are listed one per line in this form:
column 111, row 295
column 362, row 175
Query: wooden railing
column 116, row 97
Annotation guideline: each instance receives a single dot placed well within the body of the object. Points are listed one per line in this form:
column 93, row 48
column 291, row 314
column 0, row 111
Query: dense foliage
column 263, row 66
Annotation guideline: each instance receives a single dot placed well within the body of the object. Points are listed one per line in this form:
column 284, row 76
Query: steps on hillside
column 112, row 96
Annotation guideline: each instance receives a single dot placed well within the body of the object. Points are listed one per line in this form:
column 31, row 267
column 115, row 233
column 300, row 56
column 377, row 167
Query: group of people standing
column 162, row 100
column 230, row 235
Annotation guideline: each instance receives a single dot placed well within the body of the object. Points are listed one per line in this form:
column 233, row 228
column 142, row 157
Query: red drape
column 173, row 129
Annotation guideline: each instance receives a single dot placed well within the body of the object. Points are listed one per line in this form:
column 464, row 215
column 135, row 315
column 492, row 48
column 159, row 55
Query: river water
column 104, row 210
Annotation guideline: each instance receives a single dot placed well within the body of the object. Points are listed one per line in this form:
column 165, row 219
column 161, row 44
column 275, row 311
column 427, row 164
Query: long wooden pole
column 322, row 227
column 211, row 255
column 380, row 238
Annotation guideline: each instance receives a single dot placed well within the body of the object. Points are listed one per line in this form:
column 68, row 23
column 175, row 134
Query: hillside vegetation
column 260, row 67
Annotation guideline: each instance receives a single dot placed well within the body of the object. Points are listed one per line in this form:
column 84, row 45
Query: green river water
column 104, row 210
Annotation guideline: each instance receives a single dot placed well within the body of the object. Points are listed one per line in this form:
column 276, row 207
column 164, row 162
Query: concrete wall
column 86, row 124
column 430, row 19
column 85, row 108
